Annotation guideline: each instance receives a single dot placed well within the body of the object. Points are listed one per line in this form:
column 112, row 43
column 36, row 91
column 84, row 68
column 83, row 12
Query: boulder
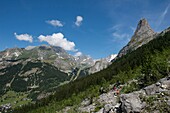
column 131, row 103
column 166, row 84
column 152, row 89
column 108, row 98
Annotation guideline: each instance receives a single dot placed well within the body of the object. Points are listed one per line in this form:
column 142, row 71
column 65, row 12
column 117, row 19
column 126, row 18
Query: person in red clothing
column 117, row 92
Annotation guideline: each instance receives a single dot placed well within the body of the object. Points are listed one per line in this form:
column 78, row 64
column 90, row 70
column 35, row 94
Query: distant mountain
column 40, row 69
column 101, row 64
column 10, row 54
column 84, row 60
column 58, row 57
column 49, row 54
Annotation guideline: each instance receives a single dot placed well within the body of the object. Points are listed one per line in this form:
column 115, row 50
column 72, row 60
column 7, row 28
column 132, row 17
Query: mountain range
column 41, row 70
column 36, row 66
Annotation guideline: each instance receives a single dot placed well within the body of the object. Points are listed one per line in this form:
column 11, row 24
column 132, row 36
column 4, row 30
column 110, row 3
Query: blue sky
column 94, row 27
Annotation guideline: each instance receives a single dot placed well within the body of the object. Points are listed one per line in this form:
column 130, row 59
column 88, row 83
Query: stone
column 108, row 98
column 131, row 103
column 152, row 89
column 166, row 84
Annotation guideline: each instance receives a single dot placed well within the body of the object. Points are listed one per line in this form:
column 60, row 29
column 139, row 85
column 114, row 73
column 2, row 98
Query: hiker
column 114, row 88
column 117, row 92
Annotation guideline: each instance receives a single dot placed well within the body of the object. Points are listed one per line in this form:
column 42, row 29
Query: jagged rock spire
column 143, row 34
column 143, row 28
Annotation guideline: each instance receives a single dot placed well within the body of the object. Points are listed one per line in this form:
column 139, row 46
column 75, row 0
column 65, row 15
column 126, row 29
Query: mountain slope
column 146, row 64
column 31, row 76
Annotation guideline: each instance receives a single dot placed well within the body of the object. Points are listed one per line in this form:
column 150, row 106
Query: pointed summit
column 143, row 34
column 143, row 28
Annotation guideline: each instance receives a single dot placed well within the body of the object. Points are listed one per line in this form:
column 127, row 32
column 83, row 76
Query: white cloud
column 79, row 20
column 55, row 23
column 161, row 18
column 115, row 27
column 78, row 54
column 24, row 37
column 117, row 33
column 120, row 36
column 57, row 39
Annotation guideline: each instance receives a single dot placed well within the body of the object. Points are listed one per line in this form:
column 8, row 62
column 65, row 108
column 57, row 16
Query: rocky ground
column 151, row 99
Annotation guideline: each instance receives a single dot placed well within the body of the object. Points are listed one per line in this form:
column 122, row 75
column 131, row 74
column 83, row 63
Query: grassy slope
column 147, row 64
column 16, row 99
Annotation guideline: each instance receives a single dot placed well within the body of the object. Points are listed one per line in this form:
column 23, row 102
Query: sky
column 93, row 27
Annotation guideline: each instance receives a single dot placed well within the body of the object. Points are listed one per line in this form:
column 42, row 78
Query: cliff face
column 142, row 35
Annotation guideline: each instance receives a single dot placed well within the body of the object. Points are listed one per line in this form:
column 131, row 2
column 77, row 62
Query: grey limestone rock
column 142, row 35
column 131, row 103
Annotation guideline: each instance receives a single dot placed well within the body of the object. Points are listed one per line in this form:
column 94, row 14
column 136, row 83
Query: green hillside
column 147, row 64
column 34, row 77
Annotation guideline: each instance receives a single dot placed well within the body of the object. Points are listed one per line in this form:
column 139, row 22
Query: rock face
column 101, row 64
column 142, row 35
column 84, row 61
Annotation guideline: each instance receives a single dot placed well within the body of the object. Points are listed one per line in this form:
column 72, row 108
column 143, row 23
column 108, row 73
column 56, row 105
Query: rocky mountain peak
column 143, row 34
column 85, row 60
column 143, row 27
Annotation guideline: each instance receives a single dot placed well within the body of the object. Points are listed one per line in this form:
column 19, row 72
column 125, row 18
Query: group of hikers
column 116, row 88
